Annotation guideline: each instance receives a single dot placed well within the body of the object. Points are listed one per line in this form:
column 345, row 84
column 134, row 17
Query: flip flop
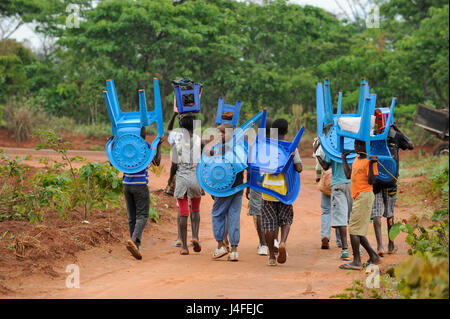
column 196, row 244
column 177, row 244
column 350, row 267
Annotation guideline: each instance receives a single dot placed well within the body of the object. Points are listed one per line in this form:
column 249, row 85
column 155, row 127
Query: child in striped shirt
column 137, row 198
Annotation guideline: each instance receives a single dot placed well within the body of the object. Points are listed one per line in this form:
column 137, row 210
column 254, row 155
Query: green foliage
column 423, row 276
column 58, row 186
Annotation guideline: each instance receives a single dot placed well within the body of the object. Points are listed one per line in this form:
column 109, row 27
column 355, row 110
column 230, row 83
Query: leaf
column 394, row 231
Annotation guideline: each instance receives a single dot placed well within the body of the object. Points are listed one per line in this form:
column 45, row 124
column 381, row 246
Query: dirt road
column 308, row 273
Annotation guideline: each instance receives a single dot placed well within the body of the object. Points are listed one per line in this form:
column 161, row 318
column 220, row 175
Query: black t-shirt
column 395, row 141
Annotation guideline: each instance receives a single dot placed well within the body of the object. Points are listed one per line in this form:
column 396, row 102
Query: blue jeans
column 229, row 208
column 325, row 218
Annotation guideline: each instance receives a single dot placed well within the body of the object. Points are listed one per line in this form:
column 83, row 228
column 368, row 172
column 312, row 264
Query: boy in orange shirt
column 363, row 175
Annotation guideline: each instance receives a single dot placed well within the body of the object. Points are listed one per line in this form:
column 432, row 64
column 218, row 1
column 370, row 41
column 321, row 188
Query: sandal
column 282, row 255
column 219, row 252
column 132, row 248
column 196, row 244
column 272, row 262
column 350, row 267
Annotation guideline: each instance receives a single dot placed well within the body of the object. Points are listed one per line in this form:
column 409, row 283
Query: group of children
column 354, row 199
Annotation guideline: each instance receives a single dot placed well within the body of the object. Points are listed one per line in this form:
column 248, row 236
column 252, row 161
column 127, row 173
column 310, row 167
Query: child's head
column 143, row 133
column 186, row 121
column 223, row 128
column 360, row 146
column 282, row 125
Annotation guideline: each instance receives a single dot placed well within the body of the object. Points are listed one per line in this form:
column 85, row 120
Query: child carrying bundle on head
column 187, row 146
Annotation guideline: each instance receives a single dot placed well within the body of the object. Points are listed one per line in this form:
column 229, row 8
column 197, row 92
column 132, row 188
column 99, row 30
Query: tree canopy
column 265, row 54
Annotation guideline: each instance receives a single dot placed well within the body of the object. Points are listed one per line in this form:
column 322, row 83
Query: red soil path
column 109, row 271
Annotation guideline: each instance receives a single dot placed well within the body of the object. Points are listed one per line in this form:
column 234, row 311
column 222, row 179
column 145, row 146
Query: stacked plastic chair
column 217, row 174
column 222, row 107
column 179, row 93
column 278, row 160
column 127, row 150
column 338, row 141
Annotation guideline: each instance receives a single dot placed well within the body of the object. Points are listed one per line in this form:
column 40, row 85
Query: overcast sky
column 26, row 33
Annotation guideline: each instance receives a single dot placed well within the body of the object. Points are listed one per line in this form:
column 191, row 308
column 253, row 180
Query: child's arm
column 170, row 126
column 347, row 169
column 372, row 177
column 157, row 159
column 325, row 165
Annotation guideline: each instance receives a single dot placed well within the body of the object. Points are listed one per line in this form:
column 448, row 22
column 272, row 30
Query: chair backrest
column 222, row 107
column 127, row 150
column 179, row 93
column 271, row 156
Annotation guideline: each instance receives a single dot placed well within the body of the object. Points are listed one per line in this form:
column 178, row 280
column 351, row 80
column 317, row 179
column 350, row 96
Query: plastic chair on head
column 376, row 145
column 271, row 156
column 222, row 107
column 216, row 174
column 127, row 150
column 331, row 145
column 179, row 93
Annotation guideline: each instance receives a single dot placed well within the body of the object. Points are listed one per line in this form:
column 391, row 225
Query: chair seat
column 217, row 174
column 127, row 150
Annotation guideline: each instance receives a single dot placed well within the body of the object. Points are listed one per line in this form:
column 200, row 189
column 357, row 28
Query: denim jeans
column 228, row 208
column 325, row 218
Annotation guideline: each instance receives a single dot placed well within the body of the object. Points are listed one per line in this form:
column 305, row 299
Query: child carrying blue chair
column 129, row 152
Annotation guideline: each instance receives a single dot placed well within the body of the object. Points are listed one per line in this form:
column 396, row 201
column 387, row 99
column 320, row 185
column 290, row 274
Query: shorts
column 341, row 204
column 388, row 197
column 275, row 214
column 254, row 204
column 360, row 218
column 183, row 205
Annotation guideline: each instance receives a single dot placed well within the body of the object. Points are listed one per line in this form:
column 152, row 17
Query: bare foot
column 184, row 251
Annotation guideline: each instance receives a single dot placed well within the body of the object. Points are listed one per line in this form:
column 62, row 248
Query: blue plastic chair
column 331, row 144
column 127, row 150
column 217, row 174
column 179, row 93
column 283, row 152
column 222, row 107
column 376, row 144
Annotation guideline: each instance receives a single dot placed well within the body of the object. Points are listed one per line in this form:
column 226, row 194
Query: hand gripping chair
column 216, row 174
column 127, row 151
column 278, row 160
column 235, row 109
